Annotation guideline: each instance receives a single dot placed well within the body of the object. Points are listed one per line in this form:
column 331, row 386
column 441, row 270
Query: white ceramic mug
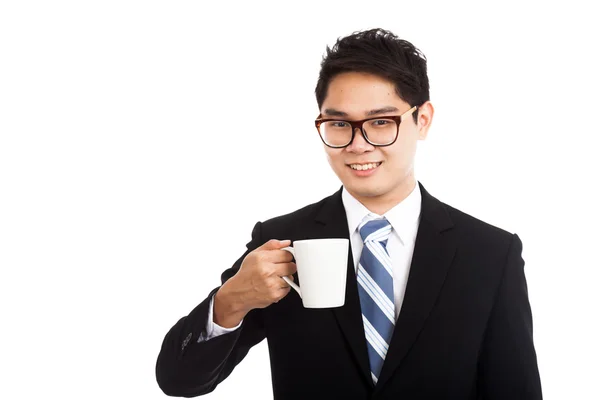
column 322, row 266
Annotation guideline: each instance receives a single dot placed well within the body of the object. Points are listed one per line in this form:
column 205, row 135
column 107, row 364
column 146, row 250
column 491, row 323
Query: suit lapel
column 433, row 253
column 332, row 223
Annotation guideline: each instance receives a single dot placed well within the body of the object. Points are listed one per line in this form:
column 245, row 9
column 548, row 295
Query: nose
column 359, row 143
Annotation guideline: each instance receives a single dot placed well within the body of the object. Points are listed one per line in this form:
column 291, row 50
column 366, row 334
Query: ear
column 424, row 119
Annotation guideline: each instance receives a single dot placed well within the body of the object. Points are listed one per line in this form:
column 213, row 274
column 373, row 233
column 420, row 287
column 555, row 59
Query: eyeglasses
column 380, row 131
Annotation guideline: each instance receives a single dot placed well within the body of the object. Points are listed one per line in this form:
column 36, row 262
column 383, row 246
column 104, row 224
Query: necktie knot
column 375, row 229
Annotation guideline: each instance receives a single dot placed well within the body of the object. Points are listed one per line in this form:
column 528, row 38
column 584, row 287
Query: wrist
column 227, row 312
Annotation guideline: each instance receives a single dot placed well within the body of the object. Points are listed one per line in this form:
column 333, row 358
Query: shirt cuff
column 212, row 328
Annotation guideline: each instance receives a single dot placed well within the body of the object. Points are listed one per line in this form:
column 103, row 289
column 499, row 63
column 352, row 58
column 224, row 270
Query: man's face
column 356, row 96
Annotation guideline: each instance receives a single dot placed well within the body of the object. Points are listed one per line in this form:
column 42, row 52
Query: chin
column 365, row 190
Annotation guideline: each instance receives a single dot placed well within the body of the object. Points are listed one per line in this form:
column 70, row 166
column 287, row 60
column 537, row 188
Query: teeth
column 363, row 167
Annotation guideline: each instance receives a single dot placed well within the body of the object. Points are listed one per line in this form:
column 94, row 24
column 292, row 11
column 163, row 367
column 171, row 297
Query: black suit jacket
column 464, row 330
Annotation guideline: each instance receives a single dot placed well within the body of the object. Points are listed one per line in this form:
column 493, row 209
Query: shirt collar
column 404, row 216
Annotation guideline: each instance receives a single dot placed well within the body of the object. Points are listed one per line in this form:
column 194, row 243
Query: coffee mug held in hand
column 322, row 266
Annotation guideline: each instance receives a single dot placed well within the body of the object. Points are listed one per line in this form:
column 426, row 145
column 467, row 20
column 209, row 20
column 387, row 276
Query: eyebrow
column 336, row 113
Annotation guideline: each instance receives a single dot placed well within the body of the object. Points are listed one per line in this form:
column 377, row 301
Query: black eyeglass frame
column 360, row 124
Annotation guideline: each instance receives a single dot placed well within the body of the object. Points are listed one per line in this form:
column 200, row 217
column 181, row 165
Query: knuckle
column 274, row 284
column 284, row 292
column 252, row 259
column 274, row 295
column 264, row 272
column 258, row 255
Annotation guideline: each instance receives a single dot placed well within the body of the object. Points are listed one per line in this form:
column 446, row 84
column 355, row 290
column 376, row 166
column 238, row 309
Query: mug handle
column 288, row 280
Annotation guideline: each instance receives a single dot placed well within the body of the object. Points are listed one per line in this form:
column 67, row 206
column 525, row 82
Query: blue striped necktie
column 376, row 290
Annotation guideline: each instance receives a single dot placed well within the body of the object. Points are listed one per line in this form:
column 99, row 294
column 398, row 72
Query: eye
column 338, row 124
column 381, row 122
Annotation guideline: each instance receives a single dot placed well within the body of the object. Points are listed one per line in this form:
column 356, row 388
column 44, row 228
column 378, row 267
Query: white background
column 141, row 140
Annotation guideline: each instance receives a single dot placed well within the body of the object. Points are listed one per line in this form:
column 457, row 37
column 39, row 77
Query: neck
column 383, row 203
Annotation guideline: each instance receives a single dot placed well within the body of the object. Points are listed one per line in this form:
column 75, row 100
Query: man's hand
column 257, row 284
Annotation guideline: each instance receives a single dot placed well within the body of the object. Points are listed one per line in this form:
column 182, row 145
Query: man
column 436, row 307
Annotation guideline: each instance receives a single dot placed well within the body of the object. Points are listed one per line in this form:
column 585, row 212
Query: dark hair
column 378, row 52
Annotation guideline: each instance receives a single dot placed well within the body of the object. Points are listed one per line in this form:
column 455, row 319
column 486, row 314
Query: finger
column 278, row 256
column 285, row 269
column 284, row 284
column 284, row 291
column 275, row 244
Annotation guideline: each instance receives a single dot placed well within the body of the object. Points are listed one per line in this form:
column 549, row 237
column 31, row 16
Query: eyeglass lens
column 379, row 131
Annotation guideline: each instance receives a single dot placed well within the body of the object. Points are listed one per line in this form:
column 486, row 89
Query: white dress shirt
column 404, row 218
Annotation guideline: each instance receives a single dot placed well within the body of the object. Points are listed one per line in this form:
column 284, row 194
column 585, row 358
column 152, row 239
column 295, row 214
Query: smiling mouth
column 364, row 167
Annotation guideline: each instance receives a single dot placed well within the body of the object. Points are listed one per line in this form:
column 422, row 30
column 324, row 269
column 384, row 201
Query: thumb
column 275, row 244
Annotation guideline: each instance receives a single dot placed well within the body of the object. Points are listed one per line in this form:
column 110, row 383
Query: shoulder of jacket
column 308, row 212
column 477, row 230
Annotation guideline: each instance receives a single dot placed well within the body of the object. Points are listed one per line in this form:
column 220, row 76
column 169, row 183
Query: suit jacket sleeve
column 508, row 363
column 188, row 365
